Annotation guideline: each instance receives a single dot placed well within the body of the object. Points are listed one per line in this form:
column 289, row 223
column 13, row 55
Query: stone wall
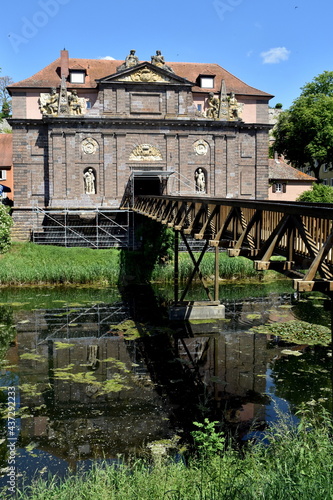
column 50, row 159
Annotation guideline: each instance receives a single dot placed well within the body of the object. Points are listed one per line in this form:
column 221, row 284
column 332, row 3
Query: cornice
column 114, row 122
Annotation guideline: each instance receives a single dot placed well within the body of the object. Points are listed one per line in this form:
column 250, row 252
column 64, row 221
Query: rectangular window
column 207, row 82
column 76, row 76
column 331, row 182
column 278, row 187
column 325, row 182
column 3, row 175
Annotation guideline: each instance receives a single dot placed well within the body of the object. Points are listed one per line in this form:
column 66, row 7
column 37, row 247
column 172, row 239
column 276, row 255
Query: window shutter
column 274, row 188
column 284, row 187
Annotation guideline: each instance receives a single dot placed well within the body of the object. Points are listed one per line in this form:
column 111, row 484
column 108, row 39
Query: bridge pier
column 195, row 310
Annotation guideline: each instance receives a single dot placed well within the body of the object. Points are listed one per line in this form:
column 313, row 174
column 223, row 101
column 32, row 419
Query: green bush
column 5, row 225
column 320, row 193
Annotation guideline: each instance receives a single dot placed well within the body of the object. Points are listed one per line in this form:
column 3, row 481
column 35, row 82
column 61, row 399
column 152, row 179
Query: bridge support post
column 217, row 274
column 176, row 267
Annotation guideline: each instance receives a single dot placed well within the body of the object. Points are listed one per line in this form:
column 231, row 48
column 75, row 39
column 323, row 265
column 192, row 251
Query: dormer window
column 207, row 82
column 76, row 76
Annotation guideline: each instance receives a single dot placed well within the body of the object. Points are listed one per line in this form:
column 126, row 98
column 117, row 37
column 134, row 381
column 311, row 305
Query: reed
column 37, row 264
column 229, row 268
column 28, row 263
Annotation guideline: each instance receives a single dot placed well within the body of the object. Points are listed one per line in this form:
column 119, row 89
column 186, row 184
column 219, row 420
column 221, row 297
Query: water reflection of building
column 164, row 381
column 231, row 362
column 70, row 416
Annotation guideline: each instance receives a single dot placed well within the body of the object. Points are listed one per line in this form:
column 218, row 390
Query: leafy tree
column 5, row 100
column 304, row 132
column 318, row 194
column 6, row 223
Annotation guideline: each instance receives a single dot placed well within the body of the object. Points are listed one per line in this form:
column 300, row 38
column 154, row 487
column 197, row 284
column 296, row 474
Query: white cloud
column 276, row 55
column 107, row 58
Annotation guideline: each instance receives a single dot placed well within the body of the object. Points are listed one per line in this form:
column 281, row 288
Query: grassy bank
column 296, row 463
column 27, row 263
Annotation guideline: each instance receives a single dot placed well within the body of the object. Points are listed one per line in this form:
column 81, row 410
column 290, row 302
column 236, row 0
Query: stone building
column 6, row 170
column 86, row 131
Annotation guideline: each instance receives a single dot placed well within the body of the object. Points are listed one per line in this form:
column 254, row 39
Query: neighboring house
column 325, row 174
column 86, row 131
column 287, row 183
column 6, row 165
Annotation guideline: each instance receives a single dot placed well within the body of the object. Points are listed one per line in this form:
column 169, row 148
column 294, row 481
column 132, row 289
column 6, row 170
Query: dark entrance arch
column 147, row 185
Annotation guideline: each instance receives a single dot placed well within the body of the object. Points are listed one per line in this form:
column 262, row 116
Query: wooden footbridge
column 301, row 233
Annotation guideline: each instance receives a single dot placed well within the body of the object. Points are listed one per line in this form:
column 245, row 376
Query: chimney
column 64, row 63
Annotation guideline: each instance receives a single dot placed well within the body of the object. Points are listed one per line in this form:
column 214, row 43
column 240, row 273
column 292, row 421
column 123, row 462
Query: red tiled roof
column 279, row 170
column 99, row 68
column 6, row 151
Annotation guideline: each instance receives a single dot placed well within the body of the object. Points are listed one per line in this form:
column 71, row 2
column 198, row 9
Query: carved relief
column 200, row 147
column 144, row 75
column 89, row 146
column 145, row 152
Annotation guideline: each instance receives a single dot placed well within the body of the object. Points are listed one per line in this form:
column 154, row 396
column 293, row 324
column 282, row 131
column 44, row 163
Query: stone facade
column 144, row 119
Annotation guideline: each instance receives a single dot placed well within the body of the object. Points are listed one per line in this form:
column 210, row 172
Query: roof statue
column 62, row 103
column 130, row 61
column 158, row 60
column 234, row 107
column 213, row 106
column 48, row 103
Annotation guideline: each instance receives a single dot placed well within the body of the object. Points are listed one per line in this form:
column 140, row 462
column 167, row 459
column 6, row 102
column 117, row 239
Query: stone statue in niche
column 200, row 181
column 89, row 181
column 75, row 103
column 213, row 106
column 158, row 60
column 130, row 61
column 48, row 103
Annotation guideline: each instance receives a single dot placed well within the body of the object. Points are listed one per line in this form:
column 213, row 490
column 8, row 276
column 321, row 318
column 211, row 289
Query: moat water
column 101, row 374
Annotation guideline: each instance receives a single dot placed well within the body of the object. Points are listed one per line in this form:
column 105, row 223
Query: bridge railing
column 300, row 232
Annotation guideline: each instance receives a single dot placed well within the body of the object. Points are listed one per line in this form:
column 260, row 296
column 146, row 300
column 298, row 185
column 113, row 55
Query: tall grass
column 229, row 268
column 296, row 464
column 37, row 264
column 28, row 263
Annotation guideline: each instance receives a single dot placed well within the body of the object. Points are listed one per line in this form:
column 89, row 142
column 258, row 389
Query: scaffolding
column 94, row 228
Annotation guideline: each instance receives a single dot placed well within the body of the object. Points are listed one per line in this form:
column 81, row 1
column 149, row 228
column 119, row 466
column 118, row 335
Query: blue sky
column 274, row 45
